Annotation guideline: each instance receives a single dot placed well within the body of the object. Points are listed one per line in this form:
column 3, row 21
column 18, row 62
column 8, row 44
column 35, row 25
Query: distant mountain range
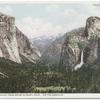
column 42, row 43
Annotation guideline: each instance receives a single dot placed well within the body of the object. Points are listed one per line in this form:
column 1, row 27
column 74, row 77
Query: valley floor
column 29, row 78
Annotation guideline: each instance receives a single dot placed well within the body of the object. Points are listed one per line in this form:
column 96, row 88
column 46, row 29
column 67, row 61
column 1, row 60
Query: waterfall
column 81, row 63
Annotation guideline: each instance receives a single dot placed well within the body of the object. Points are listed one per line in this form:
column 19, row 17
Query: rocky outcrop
column 53, row 54
column 13, row 44
column 79, row 47
column 8, row 42
column 87, row 42
column 71, row 48
column 26, row 51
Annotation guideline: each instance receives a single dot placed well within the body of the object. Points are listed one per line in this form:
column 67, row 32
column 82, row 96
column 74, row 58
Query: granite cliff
column 79, row 47
column 83, row 47
column 14, row 45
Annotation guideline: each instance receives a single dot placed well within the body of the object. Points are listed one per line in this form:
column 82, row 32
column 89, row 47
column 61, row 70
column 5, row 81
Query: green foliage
column 19, row 77
column 27, row 78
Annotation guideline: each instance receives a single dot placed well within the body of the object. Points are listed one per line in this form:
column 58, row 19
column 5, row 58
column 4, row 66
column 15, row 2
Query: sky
column 36, row 20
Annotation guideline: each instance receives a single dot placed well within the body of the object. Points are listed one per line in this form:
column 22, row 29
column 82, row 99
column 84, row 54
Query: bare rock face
column 26, row 51
column 92, row 28
column 72, row 48
column 92, row 32
column 79, row 47
column 87, row 42
column 8, row 42
column 55, row 54
column 13, row 43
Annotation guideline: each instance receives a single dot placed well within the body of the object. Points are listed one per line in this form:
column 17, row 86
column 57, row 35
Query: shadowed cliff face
column 55, row 52
column 25, row 48
column 87, row 41
column 13, row 44
column 80, row 46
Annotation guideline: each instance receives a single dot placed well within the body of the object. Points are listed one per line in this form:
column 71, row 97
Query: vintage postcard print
column 50, row 49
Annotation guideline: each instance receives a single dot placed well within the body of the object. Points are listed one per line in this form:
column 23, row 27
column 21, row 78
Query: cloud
column 77, row 15
column 6, row 9
column 34, row 27
column 69, row 12
column 68, row 19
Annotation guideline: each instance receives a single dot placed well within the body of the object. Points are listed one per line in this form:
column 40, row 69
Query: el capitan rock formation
column 14, row 45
